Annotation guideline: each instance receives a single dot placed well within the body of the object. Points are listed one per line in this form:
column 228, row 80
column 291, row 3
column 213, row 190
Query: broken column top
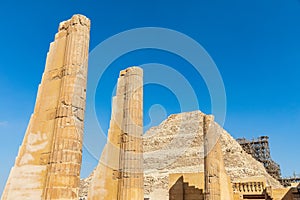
column 132, row 70
column 75, row 20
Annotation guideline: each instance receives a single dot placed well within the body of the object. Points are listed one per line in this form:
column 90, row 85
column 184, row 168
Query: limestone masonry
column 217, row 184
column 49, row 159
column 187, row 157
column 119, row 174
column 176, row 148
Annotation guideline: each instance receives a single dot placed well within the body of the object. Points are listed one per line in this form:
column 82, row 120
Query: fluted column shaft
column 212, row 159
column 65, row 161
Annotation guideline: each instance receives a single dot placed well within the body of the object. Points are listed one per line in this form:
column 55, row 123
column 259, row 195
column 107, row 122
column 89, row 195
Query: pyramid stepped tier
column 176, row 146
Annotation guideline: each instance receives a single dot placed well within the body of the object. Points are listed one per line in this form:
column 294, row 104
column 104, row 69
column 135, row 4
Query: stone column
column 131, row 182
column 212, row 152
column 49, row 159
column 119, row 174
column 105, row 182
column 217, row 182
column 65, row 160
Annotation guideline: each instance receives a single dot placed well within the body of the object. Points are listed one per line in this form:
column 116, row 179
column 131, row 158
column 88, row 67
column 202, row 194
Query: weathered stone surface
column 84, row 187
column 186, row 186
column 212, row 160
column 176, row 146
column 49, row 159
column 119, row 174
column 217, row 183
column 239, row 164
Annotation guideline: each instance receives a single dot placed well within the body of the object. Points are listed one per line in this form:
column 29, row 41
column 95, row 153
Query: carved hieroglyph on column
column 217, row 184
column 49, row 159
column 119, row 174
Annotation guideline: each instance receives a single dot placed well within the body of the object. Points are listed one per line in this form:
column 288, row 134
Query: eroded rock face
column 176, row 146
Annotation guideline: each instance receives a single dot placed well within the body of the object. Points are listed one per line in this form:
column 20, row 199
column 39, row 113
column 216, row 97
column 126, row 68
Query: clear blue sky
column 255, row 44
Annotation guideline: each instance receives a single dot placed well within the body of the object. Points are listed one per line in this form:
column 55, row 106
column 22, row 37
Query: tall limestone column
column 119, row 174
column 131, row 184
column 49, row 159
column 212, row 155
column 217, row 184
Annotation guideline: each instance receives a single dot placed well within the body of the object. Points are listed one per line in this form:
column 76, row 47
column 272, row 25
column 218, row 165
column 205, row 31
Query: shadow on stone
column 183, row 191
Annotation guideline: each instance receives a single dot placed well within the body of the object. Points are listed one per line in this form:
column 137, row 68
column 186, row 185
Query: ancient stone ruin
column 174, row 163
column 119, row 174
column 168, row 141
column 49, row 160
column 260, row 150
column 187, row 157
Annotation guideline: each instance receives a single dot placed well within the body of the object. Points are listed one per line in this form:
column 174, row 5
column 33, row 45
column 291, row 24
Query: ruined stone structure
column 186, row 186
column 289, row 181
column 251, row 188
column 289, row 193
column 212, row 161
column 248, row 187
column 176, row 147
column 217, row 184
column 174, row 164
column 119, row 174
column 187, row 157
column 49, row 159
column 260, row 150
